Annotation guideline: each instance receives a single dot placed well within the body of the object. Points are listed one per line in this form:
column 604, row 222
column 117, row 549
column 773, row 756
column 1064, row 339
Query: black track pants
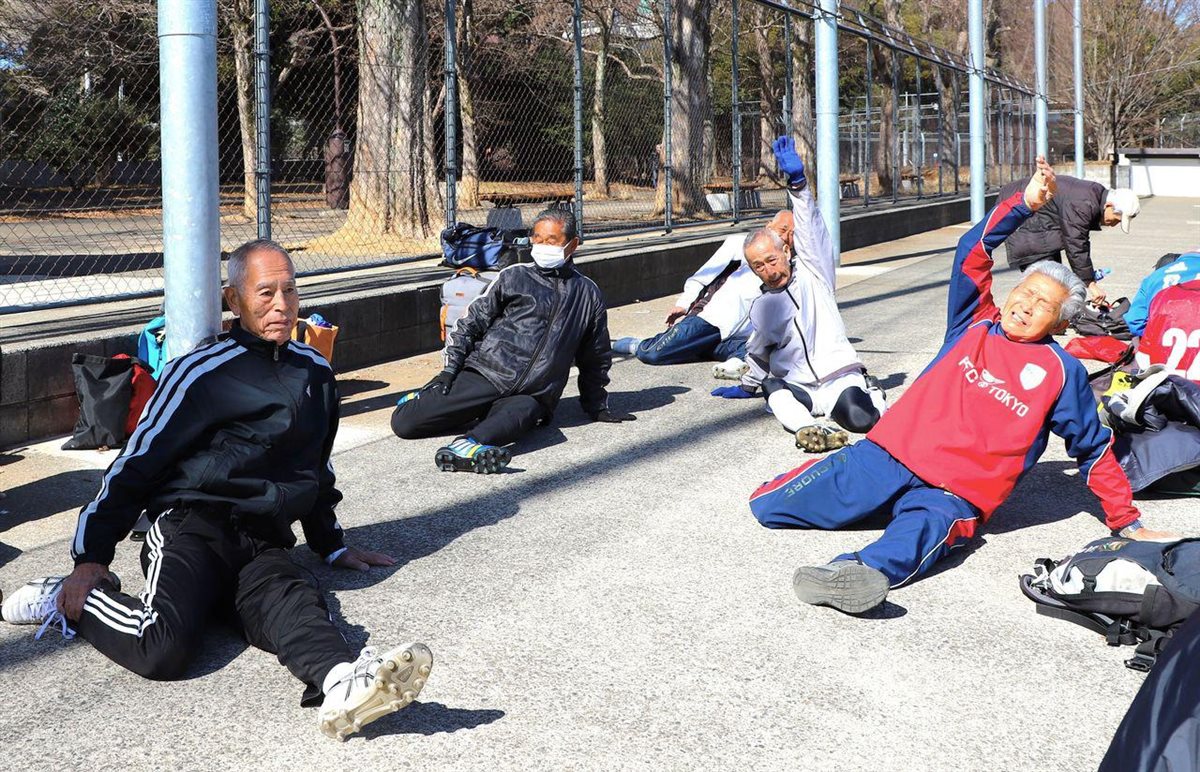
column 197, row 564
column 472, row 397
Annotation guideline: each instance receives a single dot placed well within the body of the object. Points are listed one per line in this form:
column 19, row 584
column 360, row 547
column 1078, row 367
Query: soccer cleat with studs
column 820, row 438
column 466, row 455
column 377, row 685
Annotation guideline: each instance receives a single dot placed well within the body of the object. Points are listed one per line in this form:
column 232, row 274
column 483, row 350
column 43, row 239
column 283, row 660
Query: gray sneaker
column 845, row 585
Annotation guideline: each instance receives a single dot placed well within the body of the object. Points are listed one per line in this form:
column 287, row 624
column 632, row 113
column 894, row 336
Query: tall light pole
column 978, row 117
column 828, row 188
column 1079, row 88
column 187, row 47
column 1039, row 63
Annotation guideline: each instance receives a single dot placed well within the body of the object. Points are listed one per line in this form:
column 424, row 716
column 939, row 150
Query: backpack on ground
column 1104, row 321
column 458, row 292
column 112, row 392
column 1134, row 593
column 468, row 246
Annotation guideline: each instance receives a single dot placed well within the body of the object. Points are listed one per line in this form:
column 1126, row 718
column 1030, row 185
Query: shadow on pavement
column 1046, row 495
column 348, row 387
column 428, row 718
column 570, row 413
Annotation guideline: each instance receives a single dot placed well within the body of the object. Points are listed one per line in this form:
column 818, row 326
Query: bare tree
column 394, row 189
column 770, row 92
column 884, row 72
column 690, row 105
column 1140, row 62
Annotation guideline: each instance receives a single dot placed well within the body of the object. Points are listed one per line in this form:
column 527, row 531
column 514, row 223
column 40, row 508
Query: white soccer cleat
column 731, row 369
column 373, row 686
column 36, row 604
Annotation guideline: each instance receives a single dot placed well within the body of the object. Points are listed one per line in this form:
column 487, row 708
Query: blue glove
column 732, row 392
column 789, row 161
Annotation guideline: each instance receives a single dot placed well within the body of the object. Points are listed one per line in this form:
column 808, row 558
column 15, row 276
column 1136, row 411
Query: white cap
column 1125, row 203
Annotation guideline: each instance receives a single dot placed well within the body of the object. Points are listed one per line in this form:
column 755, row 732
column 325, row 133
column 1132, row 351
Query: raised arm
column 810, row 238
column 970, row 297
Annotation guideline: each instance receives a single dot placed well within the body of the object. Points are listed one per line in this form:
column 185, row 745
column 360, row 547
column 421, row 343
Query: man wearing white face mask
column 507, row 361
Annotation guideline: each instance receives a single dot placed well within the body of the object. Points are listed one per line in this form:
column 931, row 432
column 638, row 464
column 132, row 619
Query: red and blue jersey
column 981, row 413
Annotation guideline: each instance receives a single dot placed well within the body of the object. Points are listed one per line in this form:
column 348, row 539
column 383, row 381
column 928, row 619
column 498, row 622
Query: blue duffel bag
column 468, row 246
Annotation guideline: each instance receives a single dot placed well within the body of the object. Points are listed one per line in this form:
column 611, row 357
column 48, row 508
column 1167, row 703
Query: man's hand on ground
column 1145, row 534
column 1042, row 186
column 674, row 314
column 362, row 560
column 441, row 382
column 1096, row 296
column 732, row 392
column 85, row 578
column 609, row 417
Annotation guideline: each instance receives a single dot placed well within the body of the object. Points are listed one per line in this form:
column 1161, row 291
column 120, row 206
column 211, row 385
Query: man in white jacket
column 710, row 319
column 798, row 355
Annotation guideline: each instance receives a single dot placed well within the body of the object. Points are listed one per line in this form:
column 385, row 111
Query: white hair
column 759, row 234
column 1072, row 307
column 235, row 267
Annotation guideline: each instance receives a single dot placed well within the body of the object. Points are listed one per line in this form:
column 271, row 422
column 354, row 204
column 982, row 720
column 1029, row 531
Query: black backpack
column 1134, row 593
column 1104, row 321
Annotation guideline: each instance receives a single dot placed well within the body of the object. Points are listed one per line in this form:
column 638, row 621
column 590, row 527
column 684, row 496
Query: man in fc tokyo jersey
column 985, row 408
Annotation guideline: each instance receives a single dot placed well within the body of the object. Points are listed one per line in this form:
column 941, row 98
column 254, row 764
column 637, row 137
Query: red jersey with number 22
column 1172, row 336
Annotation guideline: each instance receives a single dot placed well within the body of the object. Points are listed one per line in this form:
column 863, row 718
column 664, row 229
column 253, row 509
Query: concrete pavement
column 610, row 602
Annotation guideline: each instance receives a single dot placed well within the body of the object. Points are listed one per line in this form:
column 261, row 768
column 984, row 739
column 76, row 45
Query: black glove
column 442, row 382
column 606, row 416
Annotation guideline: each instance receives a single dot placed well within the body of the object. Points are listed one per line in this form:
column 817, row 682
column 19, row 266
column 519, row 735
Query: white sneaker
column 731, row 369
column 35, row 604
column 357, row 693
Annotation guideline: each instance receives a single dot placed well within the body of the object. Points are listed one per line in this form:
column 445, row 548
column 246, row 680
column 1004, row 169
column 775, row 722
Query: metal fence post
column 262, row 116
column 1078, row 52
column 895, row 127
column 577, row 21
column 736, row 113
column 941, row 128
column 450, row 115
column 978, row 117
column 869, row 161
column 187, row 44
column 789, row 75
column 667, row 97
column 1039, row 59
column 828, row 170
column 919, row 161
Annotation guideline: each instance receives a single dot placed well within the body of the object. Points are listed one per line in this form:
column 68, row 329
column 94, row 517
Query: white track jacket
column 729, row 308
column 798, row 332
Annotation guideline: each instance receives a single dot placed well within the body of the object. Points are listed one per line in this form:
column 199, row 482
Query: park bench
column 504, row 213
column 718, row 195
column 848, row 186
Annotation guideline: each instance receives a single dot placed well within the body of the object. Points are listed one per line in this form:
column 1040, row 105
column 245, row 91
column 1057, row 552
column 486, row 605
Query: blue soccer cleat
column 467, row 455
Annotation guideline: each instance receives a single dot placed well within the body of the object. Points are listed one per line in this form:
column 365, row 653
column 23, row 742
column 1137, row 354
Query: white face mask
column 548, row 256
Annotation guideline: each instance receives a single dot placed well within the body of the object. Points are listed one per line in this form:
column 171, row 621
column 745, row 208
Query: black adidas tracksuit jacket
column 239, row 426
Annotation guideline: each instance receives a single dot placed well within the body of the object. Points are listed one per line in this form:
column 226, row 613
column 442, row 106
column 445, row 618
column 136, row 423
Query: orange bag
column 320, row 338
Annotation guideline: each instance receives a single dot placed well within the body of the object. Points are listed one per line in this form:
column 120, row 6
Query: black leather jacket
column 527, row 329
column 1164, row 436
column 240, row 426
column 1063, row 224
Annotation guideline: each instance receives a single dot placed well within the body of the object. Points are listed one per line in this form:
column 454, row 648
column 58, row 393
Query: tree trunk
column 394, row 188
column 884, row 68
column 599, row 109
column 767, row 99
column 468, row 195
column 690, row 105
column 802, row 100
column 947, row 108
column 243, row 62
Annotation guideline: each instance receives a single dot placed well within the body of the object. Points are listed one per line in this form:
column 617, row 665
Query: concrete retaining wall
column 37, row 393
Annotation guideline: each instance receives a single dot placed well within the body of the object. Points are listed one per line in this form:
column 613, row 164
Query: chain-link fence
column 379, row 121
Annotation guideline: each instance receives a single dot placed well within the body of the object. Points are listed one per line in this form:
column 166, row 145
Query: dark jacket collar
column 254, row 343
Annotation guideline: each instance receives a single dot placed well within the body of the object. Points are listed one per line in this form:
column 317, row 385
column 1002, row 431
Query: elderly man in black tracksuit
column 507, row 361
column 1065, row 224
column 231, row 450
